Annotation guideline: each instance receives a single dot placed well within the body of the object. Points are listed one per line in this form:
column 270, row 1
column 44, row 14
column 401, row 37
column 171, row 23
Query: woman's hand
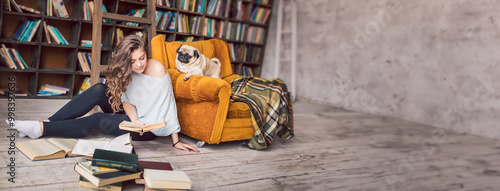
column 138, row 122
column 186, row 147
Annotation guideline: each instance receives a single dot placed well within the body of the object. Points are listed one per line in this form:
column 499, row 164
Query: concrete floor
column 333, row 149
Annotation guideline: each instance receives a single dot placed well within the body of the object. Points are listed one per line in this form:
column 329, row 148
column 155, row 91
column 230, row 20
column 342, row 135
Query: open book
column 42, row 149
column 134, row 127
column 122, row 143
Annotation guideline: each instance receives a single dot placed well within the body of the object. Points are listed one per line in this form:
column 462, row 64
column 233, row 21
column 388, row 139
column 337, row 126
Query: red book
column 151, row 165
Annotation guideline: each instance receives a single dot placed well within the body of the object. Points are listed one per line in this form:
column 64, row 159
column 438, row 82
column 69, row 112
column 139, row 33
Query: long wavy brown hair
column 120, row 67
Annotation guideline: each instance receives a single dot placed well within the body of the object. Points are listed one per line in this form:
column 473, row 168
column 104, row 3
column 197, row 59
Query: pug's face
column 187, row 54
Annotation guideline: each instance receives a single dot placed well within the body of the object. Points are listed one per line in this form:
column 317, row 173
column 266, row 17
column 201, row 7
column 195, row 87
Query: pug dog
column 189, row 60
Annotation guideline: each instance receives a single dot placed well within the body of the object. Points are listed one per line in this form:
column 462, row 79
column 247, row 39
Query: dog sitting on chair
column 189, row 60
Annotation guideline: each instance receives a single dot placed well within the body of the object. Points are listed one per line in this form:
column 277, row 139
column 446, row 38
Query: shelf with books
column 46, row 59
column 63, row 80
column 23, row 81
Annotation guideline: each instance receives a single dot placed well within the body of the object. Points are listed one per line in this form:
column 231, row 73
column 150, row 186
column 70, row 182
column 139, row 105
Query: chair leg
column 200, row 144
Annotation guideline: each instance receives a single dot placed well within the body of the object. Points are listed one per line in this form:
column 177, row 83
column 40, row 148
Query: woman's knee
column 98, row 88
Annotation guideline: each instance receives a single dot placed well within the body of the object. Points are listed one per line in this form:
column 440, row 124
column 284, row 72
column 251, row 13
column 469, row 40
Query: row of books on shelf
column 11, row 5
column 88, row 11
column 134, row 13
column 245, row 53
column 165, row 20
column 85, row 61
column 11, row 58
column 234, row 31
column 260, row 14
column 213, row 28
column 193, row 5
column 255, row 34
column 246, row 71
column 166, row 3
column 218, row 7
column 26, row 31
column 189, row 24
column 53, row 35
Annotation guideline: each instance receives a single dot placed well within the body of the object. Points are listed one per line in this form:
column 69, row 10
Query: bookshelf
column 58, row 64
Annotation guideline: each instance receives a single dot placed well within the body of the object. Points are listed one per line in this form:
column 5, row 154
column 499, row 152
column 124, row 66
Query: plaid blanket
column 271, row 108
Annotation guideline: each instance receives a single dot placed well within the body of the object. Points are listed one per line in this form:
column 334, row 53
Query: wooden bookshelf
column 58, row 64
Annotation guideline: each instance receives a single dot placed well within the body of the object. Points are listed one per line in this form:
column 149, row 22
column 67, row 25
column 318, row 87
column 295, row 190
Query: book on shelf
column 52, row 90
column 107, row 178
column 134, row 127
column 17, row 92
column 57, row 37
column 42, row 149
column 142, row 165
column 29, row 9
column 116, row 160
column 15, row 5
column 165, row 3
column 84, row 183
column 122, row 143
column 85, row 64
column 59, row 8
column 166, row 179
column 6, row 5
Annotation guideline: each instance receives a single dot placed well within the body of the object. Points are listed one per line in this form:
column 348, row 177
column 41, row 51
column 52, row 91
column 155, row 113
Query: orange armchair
column 203, row 107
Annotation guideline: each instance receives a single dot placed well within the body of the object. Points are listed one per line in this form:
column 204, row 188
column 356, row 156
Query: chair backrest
column 165, row 52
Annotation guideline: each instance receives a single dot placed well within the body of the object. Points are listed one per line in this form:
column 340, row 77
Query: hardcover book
column 142, row 165
column 164, row 179
column 84, row 183
column 107, row 178
column 42, row 149
column 117, row 160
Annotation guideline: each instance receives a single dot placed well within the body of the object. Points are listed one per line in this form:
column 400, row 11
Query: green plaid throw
column 271, row 108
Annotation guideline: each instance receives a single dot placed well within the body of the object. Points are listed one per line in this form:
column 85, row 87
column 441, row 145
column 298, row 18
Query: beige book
column 166, row 179
column 42, row 149
column 122, row 143
column 134, row 127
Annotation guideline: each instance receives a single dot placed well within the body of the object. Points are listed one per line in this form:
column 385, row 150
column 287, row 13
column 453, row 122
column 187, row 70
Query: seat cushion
column 238, row 110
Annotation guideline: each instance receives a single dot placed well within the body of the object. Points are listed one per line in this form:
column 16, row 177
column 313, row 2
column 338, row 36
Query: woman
column 139, row 90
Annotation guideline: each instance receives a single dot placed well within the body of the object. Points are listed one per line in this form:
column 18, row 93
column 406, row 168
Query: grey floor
column 333, row 149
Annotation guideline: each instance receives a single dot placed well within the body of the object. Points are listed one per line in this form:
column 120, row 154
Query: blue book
column 89, row 60
column 20, row 31
column 21, row 58
column 60, row 36
column 27, row 32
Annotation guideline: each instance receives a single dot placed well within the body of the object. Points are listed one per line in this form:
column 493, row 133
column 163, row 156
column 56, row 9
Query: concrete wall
column 432, row 62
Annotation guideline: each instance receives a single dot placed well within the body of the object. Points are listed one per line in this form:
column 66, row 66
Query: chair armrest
column 199, row 88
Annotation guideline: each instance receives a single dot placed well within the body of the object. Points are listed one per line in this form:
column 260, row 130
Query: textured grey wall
column 432, row 62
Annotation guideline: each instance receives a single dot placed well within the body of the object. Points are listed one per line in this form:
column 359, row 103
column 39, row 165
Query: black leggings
column 65, row 122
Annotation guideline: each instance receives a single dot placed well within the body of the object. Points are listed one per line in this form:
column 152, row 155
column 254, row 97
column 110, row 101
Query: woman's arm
column 182, row 146
column 131, row 112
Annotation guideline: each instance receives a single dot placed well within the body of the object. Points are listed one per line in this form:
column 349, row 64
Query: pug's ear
column 196, row 54
column 178, row 49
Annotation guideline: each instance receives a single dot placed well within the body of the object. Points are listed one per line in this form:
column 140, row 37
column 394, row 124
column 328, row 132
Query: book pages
column 38, row 148
column 65, row 144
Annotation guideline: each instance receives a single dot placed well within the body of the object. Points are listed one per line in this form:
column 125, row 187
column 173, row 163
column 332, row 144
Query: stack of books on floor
column 52, row 90
column 109, row 170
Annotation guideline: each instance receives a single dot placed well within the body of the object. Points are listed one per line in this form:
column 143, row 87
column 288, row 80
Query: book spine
column 114, row 164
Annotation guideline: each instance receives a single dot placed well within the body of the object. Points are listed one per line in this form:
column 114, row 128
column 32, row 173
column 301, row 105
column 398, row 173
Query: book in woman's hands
column 42, row 149
column 134, row 127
